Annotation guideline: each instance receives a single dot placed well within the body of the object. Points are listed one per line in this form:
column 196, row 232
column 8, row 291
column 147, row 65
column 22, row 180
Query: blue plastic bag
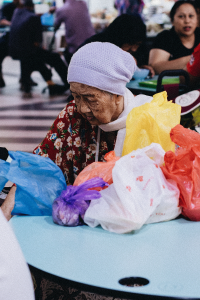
column 39, row 181
column 70, row 207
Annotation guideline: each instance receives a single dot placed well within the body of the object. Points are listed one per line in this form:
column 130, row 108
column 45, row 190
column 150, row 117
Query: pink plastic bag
column 183, row 167
column 99, row 169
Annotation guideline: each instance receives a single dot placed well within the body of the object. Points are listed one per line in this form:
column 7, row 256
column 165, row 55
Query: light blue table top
column 134, row 86
column 167, row 254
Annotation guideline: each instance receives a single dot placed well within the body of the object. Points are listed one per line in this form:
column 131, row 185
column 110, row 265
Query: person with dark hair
column 129, row 6
column 25, row 44
column 6, row 14
column 129, row 33
column 172, row 48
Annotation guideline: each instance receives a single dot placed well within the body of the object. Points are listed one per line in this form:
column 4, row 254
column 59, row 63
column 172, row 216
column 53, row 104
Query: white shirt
column 15, row 278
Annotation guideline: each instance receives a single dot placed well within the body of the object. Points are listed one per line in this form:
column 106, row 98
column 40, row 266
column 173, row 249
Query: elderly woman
column 94, row 122
column 90, row 125
column 172, row 48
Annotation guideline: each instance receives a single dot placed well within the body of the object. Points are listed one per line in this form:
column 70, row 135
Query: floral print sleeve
column 57, row 145
column 71, row 143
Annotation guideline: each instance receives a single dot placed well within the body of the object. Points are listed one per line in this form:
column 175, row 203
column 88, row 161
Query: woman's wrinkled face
column 185, row 20
column 96, row 106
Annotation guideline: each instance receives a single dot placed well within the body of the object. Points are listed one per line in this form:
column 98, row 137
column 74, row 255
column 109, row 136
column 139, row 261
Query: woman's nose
column 187, row 19
column 84, row 108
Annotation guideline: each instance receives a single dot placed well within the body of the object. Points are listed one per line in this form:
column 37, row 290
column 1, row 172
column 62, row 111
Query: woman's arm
column 159, row 60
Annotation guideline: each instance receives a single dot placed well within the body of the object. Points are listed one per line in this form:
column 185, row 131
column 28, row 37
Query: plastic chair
column 173, row 90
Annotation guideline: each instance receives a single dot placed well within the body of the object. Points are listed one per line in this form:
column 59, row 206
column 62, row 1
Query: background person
column 129, row 6
column 15, row 278
column 6, row 14
column 25, row 44
column 193, row 69
column 172, row 48
column 78, row 27
column 129, row 33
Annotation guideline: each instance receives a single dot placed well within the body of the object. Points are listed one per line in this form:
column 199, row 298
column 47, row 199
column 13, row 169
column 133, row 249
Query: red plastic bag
column 183, row 167
column 99, row 169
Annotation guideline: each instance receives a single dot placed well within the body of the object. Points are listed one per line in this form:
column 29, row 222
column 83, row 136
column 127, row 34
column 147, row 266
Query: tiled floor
column 24, row 122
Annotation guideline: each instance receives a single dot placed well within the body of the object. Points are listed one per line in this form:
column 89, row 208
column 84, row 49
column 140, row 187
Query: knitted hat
column 102, row 65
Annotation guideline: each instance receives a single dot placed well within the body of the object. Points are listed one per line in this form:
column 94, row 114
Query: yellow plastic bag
column 196, row 116
column 151, row 123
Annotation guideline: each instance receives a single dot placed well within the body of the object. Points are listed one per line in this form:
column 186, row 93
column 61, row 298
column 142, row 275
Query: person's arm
column 5, row 22
column 58, row 20
column 150, row 68
column 9, row 203
column 159, row 60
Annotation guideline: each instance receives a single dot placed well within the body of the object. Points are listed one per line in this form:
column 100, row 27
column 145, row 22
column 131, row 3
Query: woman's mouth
column 89, row 118
column 187, row 28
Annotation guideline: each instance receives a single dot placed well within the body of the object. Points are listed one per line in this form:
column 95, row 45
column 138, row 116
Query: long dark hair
column 125, row 29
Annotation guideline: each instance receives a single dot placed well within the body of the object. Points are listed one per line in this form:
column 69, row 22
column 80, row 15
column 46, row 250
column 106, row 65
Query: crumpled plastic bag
column 70, row 207
column 99, row 169
column 151, row 123
column 140, row 194
column 39, row 181
column 183, row 166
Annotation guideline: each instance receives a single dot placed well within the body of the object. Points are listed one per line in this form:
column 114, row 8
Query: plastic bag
column 39, row 181
column 140, row 194
column 183, row 166
column 98, row 169
column 151, row 123
column 70, row 207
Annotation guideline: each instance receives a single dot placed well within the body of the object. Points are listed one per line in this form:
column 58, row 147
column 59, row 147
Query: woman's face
column 96, row 106
column 131, row 48
column 185, row 20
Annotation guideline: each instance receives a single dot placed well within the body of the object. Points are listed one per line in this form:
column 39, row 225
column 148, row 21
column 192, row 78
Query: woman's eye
column 92, row 103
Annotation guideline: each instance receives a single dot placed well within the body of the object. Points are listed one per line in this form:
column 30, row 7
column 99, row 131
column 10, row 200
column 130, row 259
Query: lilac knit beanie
column 102, row 65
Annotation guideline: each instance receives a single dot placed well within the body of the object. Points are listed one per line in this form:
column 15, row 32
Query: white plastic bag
column 139, row 194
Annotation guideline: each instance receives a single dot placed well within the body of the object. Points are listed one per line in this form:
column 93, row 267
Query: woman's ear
column 119, row 100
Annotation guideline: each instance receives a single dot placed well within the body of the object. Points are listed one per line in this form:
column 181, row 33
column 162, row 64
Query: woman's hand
column 5, row 22
column 9, row 203
column 150, row 68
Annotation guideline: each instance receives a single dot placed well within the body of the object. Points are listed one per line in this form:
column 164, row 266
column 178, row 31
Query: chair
column 173, row 90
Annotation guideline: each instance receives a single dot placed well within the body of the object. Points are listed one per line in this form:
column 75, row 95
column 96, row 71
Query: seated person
column 172, row 48
column 24, row 44
column 78, row 27
column 193, row 69
column 94, row 122
column 129, row 33
column 15, row 280
column 90, row 125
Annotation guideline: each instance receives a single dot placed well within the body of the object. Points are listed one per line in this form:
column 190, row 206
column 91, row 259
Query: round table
column 164, row 255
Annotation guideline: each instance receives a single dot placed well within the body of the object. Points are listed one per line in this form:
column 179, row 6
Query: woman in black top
column 172, row 48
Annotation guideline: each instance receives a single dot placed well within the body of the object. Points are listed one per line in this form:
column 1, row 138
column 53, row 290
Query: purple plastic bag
column 70, row 207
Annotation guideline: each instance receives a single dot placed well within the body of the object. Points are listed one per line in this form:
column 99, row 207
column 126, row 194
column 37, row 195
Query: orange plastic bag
column 183, row 167
column 99, row 169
